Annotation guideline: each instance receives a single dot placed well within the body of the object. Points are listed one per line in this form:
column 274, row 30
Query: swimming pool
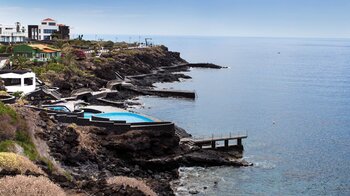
column 58, row 108
column 126, row 116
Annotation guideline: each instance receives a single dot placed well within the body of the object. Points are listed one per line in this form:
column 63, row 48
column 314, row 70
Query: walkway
column 212, row 141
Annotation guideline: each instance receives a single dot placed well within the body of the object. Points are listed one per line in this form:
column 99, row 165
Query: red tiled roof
column 43, row 48
column 48, row 19
column 48, row 51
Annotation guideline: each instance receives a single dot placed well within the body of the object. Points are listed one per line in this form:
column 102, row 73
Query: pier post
column 226, row 143
column 213, row 144
column 239, row 142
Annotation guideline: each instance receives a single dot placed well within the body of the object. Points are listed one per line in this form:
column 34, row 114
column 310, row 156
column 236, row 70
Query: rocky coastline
column 82, row 158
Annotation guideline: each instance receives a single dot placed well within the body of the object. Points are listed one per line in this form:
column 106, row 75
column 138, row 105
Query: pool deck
column 106, row 109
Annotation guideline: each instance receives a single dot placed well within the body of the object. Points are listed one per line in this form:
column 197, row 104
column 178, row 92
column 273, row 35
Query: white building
column 18, row 81
column 12, row 33
column 46, row 29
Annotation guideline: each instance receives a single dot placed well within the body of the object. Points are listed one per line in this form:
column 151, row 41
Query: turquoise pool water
column 58, row 108
column 127, row 116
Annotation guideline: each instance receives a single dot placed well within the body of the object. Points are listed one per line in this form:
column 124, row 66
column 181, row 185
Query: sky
column 248, row 18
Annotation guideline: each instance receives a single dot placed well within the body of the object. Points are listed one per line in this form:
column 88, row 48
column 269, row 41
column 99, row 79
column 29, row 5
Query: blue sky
column 266, row 18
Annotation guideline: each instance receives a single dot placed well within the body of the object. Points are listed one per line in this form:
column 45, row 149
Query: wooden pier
column 212, row 141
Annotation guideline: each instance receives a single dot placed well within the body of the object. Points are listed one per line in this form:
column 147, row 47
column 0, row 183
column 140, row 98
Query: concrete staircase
column 51, row 92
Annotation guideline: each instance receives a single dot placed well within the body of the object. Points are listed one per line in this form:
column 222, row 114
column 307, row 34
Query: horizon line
column 223, row 36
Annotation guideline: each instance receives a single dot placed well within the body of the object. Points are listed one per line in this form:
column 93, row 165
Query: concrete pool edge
column 116, row 127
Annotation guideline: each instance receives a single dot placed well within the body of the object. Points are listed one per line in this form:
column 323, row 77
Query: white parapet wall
column 19, row 81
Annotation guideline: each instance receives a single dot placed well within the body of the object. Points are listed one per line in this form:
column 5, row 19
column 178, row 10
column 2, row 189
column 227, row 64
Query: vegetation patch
column 7, row 110
column 7, row 145
column 131, row 182
column 14, row 162
column 13, row 130
column 29, row 185
column 24, row 140
column 54, row 67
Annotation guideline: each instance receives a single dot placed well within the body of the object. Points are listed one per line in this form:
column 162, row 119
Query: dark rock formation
column 205, row 65
column 92, row 154
column 96, row 72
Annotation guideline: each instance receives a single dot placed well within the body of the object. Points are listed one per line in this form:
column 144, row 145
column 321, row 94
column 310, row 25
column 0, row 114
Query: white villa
column 47, row 28
column 12, row 33
column 18, row 81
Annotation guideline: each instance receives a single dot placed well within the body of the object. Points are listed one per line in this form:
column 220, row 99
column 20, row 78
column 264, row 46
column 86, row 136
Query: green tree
column 109, row 45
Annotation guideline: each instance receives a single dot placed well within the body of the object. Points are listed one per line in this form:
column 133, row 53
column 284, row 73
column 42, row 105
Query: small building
column 47, row 30
column 18, row 81
column 37, row 52
column 12, row 33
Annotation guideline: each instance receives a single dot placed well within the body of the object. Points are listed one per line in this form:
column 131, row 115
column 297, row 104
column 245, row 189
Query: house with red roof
column 37, row 52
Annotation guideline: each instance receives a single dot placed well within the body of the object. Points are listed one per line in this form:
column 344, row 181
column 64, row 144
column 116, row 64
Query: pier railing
column 214, row 141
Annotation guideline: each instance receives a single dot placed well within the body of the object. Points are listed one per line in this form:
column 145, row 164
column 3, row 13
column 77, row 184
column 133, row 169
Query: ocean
column 290, row 95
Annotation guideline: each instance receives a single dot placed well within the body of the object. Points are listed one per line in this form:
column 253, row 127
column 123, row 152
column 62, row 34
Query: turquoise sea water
column 292, row 96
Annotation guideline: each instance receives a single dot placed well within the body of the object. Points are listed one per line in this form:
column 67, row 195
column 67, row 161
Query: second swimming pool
column 126, row 116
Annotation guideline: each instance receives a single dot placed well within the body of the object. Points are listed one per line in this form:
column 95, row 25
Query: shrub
column 14, row 162
column 18, row 94
column 24, row 140
column 7, row 146
column 53, row 67
column 2, row 49
column 97, row 61
column 29, row 185
column 108, row 44
column 80, row 55
column 132, row 182
column 4, row 109
column 56, row 67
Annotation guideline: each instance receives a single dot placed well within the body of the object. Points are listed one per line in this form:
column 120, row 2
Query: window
column 12, row 81
column 52, row 24
column 28, row 81
column 44, row 23
column 47, row 37
column 49, row 31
